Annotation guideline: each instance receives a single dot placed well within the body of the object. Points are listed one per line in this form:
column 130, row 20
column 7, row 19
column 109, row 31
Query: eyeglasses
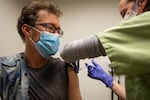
column 51, row 28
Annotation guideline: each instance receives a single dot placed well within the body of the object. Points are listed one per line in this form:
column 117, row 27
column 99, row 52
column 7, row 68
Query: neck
column 34, row 59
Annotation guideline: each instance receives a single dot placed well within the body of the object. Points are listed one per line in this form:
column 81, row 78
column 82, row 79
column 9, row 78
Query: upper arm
column 73, row 85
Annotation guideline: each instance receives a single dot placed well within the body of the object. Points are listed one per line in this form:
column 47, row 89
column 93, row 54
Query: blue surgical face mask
column 48, row 44
column 132, row 12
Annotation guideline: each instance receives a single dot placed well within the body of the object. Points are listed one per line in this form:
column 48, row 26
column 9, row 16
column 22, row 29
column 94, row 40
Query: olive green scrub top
column 128, row 47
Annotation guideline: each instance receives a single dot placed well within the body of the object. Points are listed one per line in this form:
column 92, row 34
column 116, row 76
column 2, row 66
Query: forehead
column 123, row 3
column 47, row 17
column 126, row 1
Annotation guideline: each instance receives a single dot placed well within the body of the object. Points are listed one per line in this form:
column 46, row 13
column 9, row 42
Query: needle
column 82, row 68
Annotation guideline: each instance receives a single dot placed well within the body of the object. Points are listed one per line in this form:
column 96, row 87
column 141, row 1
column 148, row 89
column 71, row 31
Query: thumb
column 89, row 67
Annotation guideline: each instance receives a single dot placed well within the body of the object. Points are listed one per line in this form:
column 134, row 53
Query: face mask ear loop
column 35, row 29
column 32, row 41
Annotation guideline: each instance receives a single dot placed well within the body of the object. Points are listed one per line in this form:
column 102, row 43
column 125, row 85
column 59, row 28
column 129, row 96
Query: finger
column 94, row 63
column 89, row 67
column 86, row 64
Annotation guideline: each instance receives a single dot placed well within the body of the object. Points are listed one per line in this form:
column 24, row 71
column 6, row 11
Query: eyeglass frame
column 52, row 29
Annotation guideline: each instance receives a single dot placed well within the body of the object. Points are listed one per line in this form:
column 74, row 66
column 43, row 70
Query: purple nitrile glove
column 95, row 71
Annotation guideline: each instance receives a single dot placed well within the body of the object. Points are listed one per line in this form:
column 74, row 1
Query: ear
column 142, row 4
column 26, row 30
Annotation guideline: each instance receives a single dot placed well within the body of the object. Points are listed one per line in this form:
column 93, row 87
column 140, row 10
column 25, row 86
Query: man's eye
column 49, row 26
column 46, row 25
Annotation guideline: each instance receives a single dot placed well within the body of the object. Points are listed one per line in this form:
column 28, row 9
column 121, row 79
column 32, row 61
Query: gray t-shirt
column 49, row 82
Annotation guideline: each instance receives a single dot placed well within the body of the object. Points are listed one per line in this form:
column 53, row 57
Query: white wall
column 10, row 42
column 81, row 18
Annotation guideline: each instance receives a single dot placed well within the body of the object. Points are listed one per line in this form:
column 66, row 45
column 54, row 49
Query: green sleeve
column 137, row 87
column 128, row 45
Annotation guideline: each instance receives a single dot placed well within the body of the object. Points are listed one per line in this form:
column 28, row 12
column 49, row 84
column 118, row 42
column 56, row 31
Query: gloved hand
column 95, row 71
